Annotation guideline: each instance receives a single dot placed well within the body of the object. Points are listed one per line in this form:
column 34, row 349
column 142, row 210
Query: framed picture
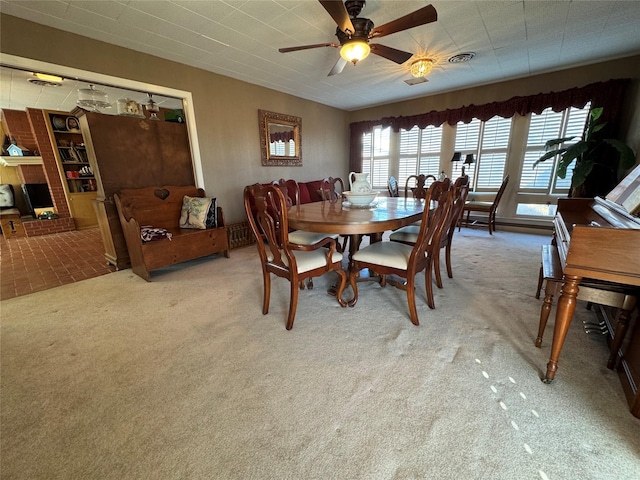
column 72, row 124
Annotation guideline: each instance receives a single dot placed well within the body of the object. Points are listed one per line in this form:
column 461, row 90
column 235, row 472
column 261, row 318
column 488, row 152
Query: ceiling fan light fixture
column 355, row 50
column 422, row 67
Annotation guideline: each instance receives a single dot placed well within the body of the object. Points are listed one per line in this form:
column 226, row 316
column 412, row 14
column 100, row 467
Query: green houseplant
column 597, row 158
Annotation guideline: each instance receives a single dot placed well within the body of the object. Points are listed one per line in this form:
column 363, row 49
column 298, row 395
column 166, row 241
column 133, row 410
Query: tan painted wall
column 226, row 110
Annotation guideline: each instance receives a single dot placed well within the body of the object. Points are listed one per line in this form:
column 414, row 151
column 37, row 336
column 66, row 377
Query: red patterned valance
column 602, row 94
column 607, row 94
column 280, row 137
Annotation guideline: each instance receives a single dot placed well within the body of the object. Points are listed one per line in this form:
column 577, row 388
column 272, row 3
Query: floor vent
column 240, row 235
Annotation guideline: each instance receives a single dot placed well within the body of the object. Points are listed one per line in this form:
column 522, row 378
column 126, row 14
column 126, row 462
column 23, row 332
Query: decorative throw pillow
column 212, row 215
column 199, row 212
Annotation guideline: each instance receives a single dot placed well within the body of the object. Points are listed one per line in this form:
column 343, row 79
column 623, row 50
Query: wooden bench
column 160, row 207
column 591, row 291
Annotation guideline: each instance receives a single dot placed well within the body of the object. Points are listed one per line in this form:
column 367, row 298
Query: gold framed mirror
column 280, row 139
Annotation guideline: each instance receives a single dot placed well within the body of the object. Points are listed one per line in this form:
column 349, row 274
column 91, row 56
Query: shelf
column 10, row 161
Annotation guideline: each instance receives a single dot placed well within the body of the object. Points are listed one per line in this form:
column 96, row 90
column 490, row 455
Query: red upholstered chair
column 266, row 209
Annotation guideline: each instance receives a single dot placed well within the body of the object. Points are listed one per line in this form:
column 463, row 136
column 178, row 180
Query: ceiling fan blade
column 425, row 15
column 338, row 67
column 307, row 47
column 339, row 13
column 393, row 54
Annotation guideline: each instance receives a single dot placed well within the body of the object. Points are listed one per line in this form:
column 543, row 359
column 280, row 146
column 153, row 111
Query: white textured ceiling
column 240, row 39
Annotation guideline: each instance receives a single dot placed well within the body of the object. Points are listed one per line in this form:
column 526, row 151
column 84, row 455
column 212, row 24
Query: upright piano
column 600, row 239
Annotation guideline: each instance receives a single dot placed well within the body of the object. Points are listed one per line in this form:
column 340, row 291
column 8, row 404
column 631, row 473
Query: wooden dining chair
column 392, row 186
column 419, row 182
column 409, row 234
column 489, row 208
column 331, row 190
column 406, row 261
column 266, row 209
column 302, row 237
column 460, row 193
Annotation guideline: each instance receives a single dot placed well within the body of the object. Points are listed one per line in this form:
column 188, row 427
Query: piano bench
column 592, row 291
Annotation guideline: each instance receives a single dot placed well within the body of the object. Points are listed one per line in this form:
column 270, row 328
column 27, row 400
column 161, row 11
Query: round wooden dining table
column 386, row 213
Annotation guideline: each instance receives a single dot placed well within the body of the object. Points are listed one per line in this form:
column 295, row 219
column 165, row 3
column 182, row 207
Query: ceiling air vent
column 43, row 83
column 462, row 57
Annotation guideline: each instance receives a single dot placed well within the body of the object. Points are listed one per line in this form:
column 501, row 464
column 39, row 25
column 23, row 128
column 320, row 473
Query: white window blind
column 575, row 125
column 375, row 156
column 467, row 141
column 492, row 158
column 408, row 159
column 430, row 147
column 419, row 152
column 543, row 127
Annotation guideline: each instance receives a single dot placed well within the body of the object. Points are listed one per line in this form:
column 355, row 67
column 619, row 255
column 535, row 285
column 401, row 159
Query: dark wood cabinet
column 629, row 365
column 132, row 152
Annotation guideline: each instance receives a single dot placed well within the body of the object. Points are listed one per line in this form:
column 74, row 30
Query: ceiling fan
column 354, row 32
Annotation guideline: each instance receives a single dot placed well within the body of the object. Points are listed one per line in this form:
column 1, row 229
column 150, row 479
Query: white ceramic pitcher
column 360, row 184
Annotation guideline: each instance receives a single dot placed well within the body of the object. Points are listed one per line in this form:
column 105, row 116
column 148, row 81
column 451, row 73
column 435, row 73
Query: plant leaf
column 597, row 128
column 627, row 157
column 572, row 153
column 580, row 173
column 556, row 141
column 549, row 155
column 595, row 113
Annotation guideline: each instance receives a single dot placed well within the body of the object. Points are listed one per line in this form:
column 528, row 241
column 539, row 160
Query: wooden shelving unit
column 76, row 171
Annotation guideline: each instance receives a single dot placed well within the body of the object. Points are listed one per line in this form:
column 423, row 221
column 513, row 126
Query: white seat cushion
column 302, row 237
column 406, row 234
column 309, row 260
column 388, row 254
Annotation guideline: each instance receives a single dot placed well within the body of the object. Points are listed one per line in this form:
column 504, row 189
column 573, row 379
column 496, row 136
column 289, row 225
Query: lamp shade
column 355, row 50
column 469, row 159
column 457, row 156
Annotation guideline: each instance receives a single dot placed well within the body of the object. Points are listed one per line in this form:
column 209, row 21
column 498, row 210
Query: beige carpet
column 184, row 378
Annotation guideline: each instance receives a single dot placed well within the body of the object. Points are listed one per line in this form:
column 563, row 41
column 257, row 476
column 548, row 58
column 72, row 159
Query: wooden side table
column 11, row 224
